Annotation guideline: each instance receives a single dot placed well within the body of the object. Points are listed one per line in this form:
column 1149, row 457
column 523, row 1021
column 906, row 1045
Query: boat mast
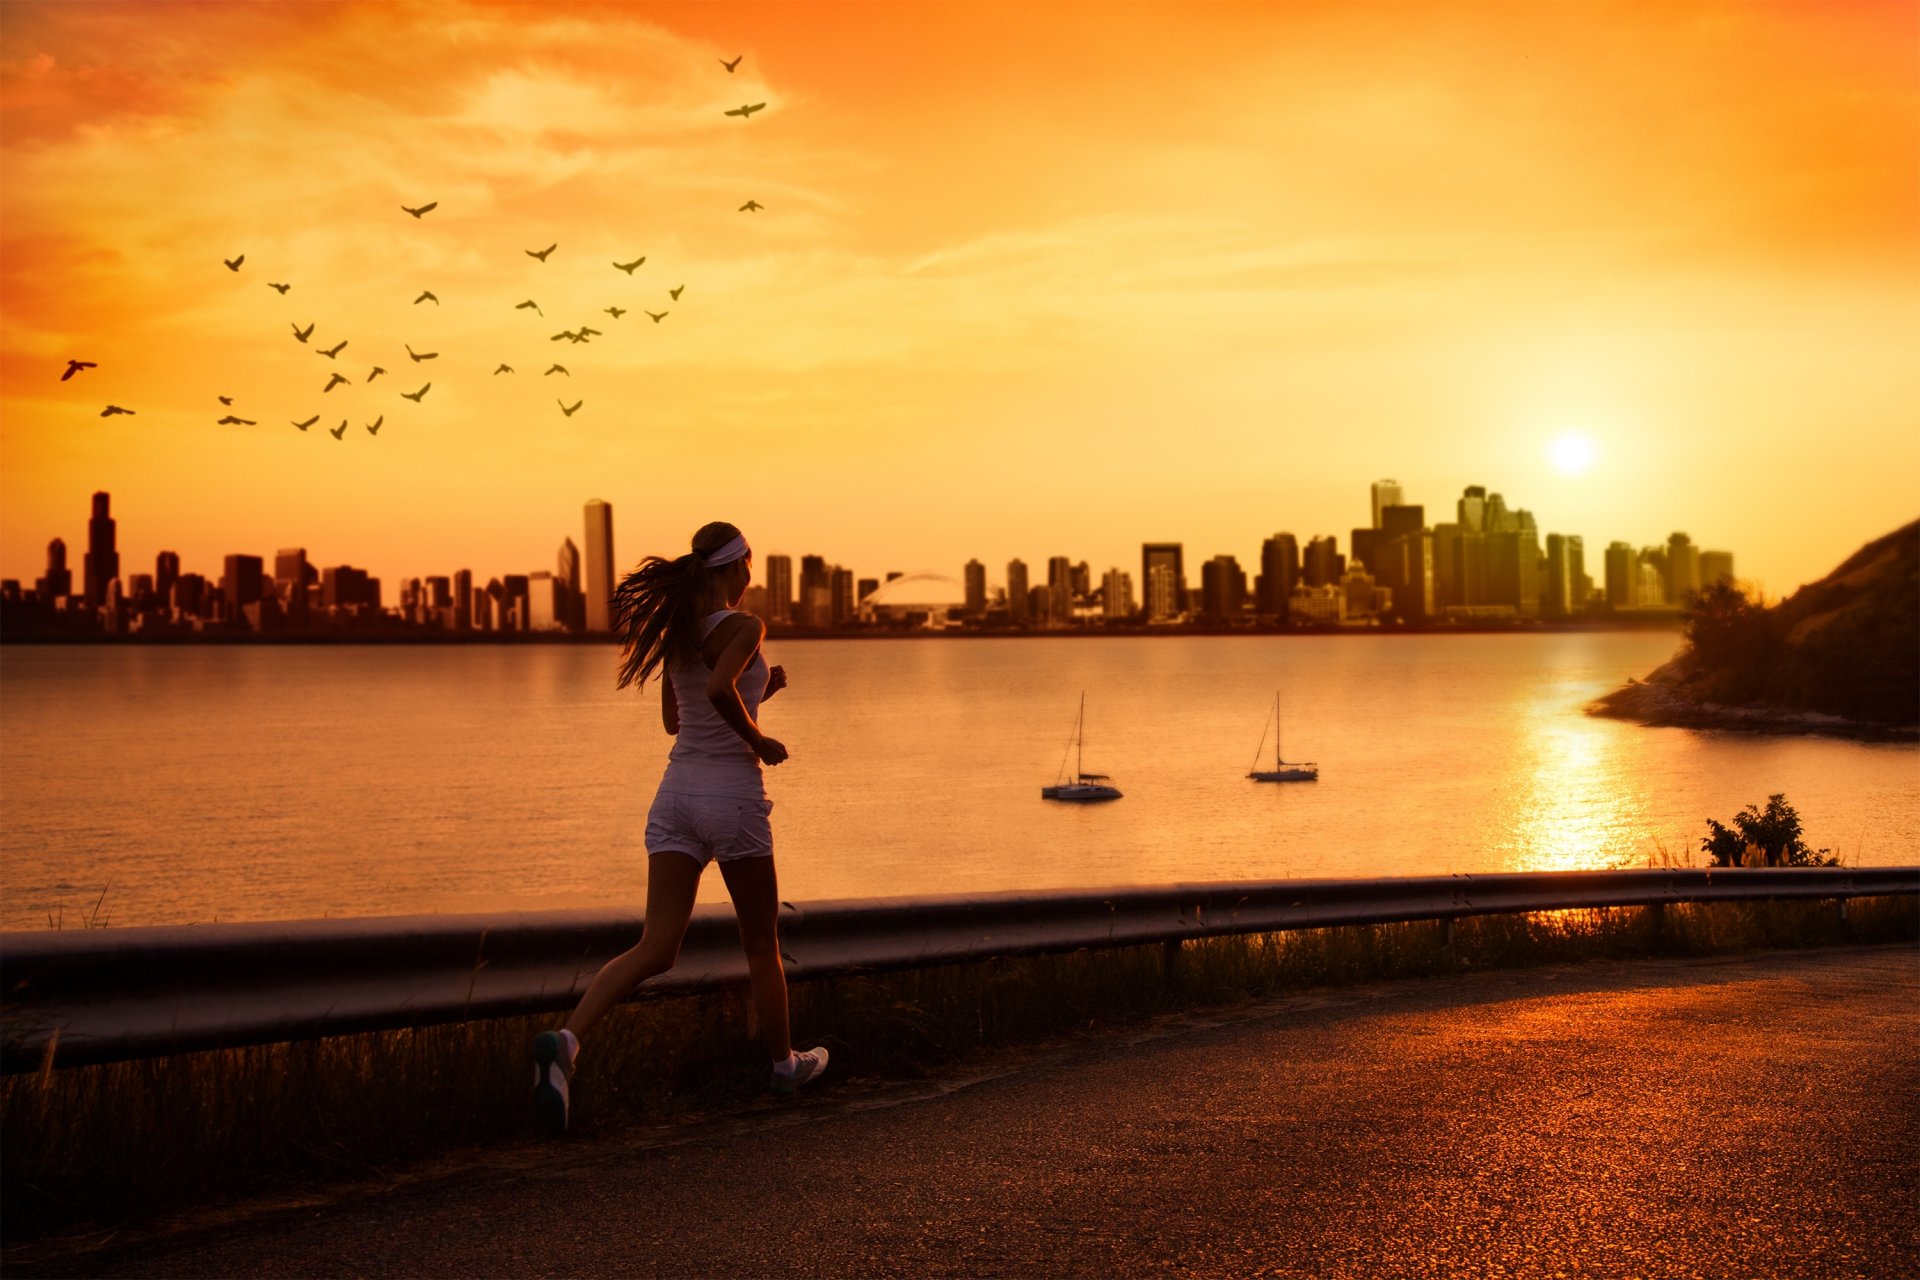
column 1276, row 729
column 1079, row 739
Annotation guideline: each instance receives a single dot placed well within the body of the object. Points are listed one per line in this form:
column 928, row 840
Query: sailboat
column 1281, row 771
column 1082, row 786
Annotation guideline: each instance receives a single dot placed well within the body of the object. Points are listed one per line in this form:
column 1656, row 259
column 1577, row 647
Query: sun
column 1571, row 452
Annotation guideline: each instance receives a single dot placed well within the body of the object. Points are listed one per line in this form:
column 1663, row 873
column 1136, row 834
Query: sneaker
column 552, row 1065
column 807, row 1066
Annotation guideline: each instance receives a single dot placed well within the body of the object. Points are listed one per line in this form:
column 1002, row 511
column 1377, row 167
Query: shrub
column 1763, row 838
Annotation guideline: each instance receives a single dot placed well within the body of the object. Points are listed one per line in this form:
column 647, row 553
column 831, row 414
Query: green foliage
column 1763, row 838
column 1733, row 636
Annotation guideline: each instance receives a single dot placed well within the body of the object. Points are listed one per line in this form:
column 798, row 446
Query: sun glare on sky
column 1572, row 453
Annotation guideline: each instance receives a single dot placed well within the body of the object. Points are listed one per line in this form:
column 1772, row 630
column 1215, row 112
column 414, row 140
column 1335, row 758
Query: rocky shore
column 1661, row 701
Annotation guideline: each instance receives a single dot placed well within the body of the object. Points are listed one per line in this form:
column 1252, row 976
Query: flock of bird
column 578, row 336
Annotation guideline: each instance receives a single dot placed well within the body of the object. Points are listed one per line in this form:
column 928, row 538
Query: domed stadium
column 914, row 600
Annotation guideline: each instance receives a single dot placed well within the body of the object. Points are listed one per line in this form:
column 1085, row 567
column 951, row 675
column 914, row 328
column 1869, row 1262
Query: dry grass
column 92, row 1148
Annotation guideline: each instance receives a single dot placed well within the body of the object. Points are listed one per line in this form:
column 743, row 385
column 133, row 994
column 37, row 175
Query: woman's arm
column 742, row 641
column 669, row 705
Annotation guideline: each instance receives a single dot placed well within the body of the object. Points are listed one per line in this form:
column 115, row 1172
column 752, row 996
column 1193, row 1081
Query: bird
column 744, row 112
column 751, row 206
column 629, row 266
column 75, row 366
column 231, row 420
column 426, row 295
column 657, row 316
column 337, row 432
column 675, row 293
column 417, row 396
column 377, row 371
column 281, row 287
column 423, row 210
column 505, row 368
column 112, row 409
column 616, row 312
column 731, row 65
column 333, row 382
column 419, row 356
column 226, row 399
column 373, row 428
column 559, row 368
column 334, row 350
column 590, row 333
column 567, row 411
column 309, row 422
column 233, row 264
column 302, row 334
column 522, row 306
column 542, row 254
column 564, row 333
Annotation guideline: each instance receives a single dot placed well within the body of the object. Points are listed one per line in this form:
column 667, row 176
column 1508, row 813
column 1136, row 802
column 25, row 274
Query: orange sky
column 1030, row 280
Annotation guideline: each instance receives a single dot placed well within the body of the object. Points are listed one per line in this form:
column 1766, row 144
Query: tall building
column 546, row 602
column 975, row 576
column 1499, row 519
column 1404, row 561
column 102, row 563
column 57, row 583
column 1322, row 565
column 598, row 585
column 566, row 569
column 1557, row 592
column 1471, row 512
column 1715, row 567
column 1171, row 556
column 1019, row 602
column 1279, row 573
column 1117, row 589
column 780, row 590
column 519, row 607
column 241, row 585
column 1620, row 575
column 1080, row 580
column 840, row 584
column 1223, row 590
column 1683, row 568
column 290, row 584
column 463, row 598
column 1060, row 590
column 1513, row 572
column 166, row 572
column 1386, row 493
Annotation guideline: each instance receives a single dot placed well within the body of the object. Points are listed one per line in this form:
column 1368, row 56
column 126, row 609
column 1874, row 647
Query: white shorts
column 708, row 827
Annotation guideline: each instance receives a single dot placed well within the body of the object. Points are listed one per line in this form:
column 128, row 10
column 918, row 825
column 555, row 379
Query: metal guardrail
column 105, row 995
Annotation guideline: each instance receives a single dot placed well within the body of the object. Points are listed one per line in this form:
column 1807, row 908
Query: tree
column 1733, row 638
column 1763, row 838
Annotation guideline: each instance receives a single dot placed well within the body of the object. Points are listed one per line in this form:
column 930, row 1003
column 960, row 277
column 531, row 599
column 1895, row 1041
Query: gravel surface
column 1742, row 1117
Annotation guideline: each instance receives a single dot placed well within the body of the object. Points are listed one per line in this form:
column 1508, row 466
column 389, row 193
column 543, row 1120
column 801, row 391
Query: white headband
column 727, row 554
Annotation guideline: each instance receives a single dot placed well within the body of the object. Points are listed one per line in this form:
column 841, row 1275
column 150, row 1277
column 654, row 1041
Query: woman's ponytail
column 656, row 608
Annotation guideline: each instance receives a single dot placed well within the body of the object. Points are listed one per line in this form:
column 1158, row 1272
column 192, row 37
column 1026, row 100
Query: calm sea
column 230, row 783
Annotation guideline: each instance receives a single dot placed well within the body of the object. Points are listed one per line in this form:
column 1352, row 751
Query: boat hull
column 1079, row 793
column 1291, row 774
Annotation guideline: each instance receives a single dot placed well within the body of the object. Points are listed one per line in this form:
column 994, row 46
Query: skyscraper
column 1117, row 588
column 780, row 590
column 1279, row 572
column 166, row 572
column 1683, row 568
column 1715, row 567
column 840, row 584
column 1403, row 561
column 598, row 586
column 463, row 599
column 1321, row 563
column 1223, row 589
column 566, row 569
column 1018, row 604
column 102, row 563
column 290, row 584
column 1059, row 589
column 1170, row 555
column 58, row 582
column 1556, row 596
column 1386, row 493
column 241, row 586
column 1472, row 509
column 1621, row 570
column 976, row 582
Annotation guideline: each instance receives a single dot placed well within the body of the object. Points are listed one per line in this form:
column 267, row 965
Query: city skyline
column 1487, row 561
column 992, row 285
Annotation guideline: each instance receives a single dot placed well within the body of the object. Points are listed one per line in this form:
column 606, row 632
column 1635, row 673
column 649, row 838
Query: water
column 204, row 783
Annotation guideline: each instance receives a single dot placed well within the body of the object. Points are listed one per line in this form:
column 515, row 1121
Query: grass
column 95, row 1149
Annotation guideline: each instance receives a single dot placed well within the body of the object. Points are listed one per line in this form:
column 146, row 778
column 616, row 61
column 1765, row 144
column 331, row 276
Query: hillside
column 1841, row 655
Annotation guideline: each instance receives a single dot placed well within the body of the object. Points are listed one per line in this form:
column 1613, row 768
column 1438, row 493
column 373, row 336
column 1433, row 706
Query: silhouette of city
column 1487, row 567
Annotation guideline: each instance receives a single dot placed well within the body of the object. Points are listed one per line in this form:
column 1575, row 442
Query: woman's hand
column 770, row 750
column 776, row 681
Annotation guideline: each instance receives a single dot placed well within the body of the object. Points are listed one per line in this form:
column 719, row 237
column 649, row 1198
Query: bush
column 1769, row 838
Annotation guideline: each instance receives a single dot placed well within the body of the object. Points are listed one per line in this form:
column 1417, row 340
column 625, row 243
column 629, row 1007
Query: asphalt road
column 1746, row 1117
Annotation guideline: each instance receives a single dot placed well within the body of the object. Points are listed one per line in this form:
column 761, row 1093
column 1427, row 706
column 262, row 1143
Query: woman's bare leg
column 672, row 880
column 756, row 903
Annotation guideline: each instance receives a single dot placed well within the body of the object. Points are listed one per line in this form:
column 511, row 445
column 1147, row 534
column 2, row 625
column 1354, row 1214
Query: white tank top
column 708, row 757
